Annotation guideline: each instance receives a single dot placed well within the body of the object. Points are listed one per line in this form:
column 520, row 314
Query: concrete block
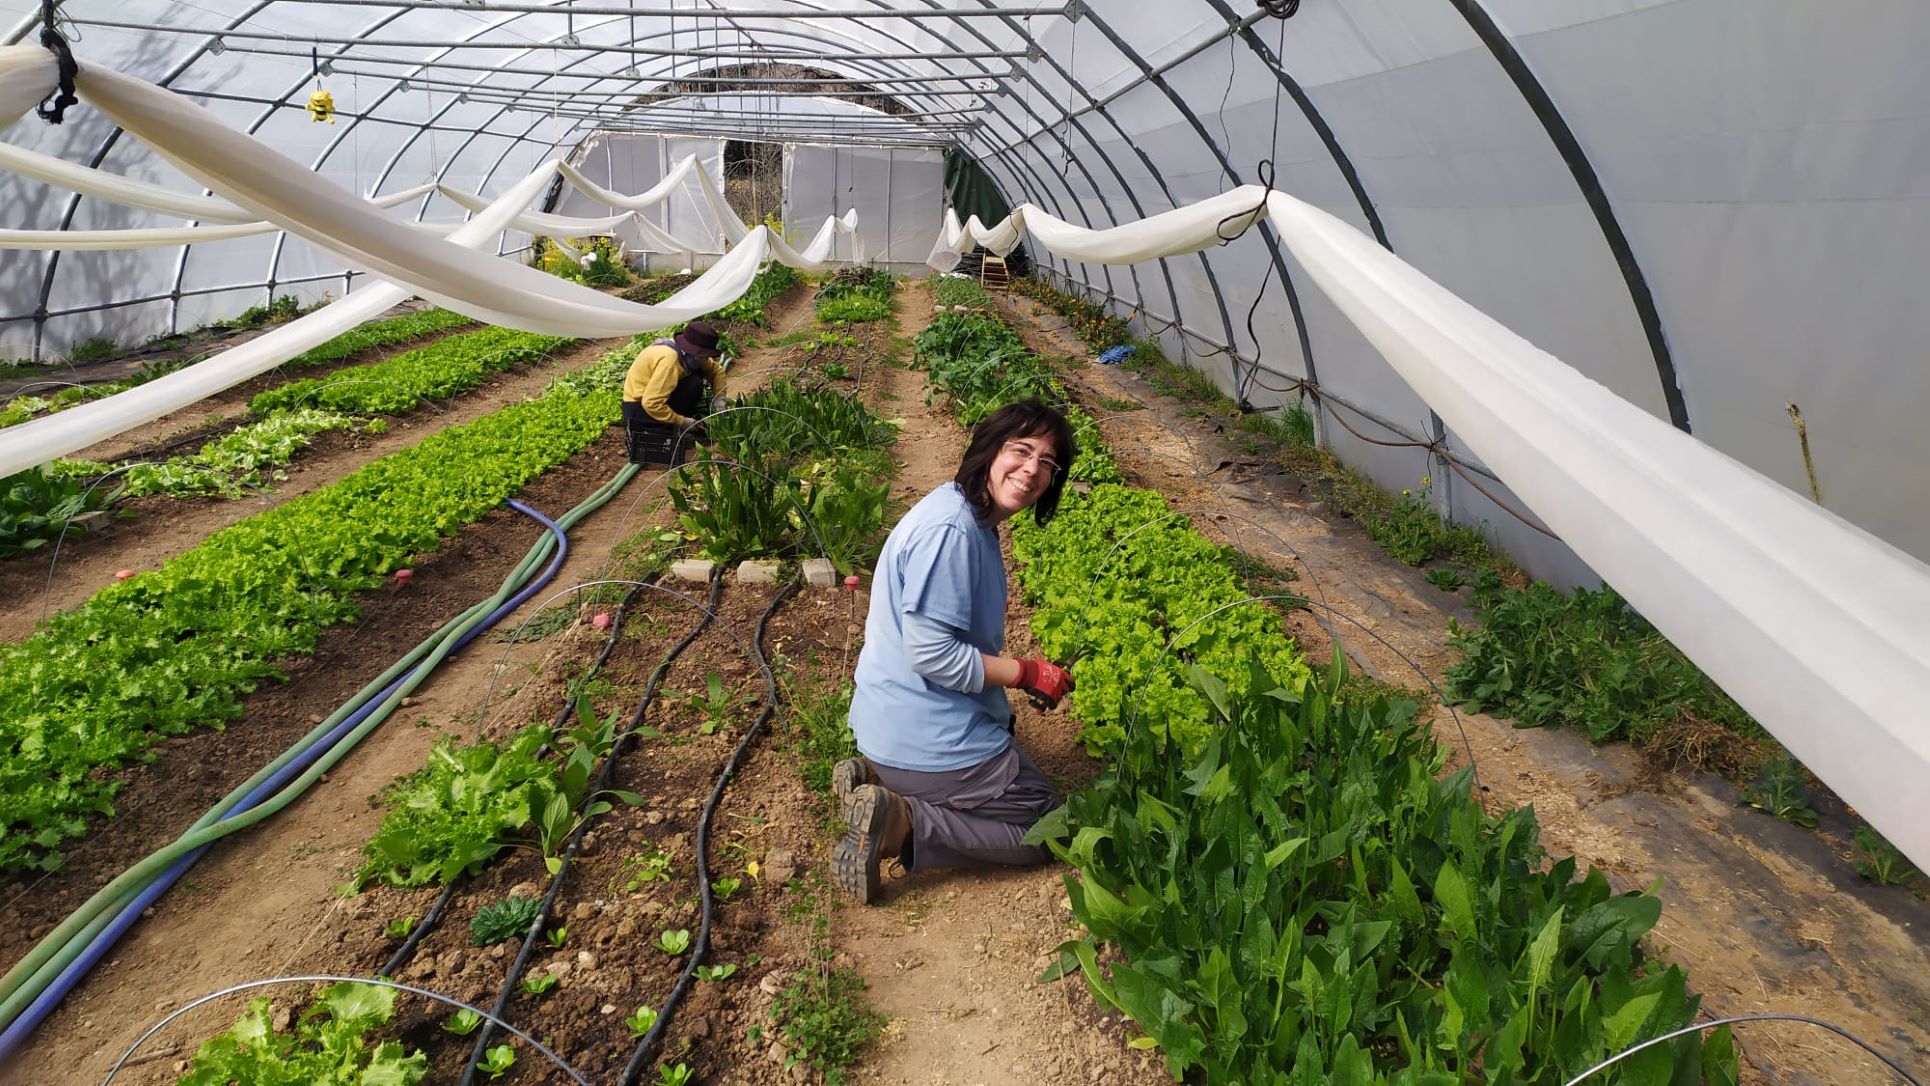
column 819, row 571
column 693, row 569
column 756, row 571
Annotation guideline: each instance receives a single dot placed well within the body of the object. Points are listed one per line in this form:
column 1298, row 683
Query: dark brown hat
column 699, row 338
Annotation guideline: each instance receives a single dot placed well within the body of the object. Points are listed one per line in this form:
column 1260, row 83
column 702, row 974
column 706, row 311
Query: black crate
column 654, row 445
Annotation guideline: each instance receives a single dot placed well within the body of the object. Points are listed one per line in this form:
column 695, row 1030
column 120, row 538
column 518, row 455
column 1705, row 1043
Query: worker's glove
column 693, row 432
column 1044, row 681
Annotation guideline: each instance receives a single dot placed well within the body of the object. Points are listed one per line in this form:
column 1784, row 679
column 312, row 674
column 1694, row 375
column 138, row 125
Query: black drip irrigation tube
column 648, row 1046
column 433, row 918
column 575, row 844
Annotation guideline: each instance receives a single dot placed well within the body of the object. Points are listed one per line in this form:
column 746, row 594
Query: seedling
column 556, row 937
column 503, row 920
column 673, row 1076
column 724, row 888
column 674, row 942
column 715, row 972
column 641, row 870
column 641, row 1022
column 715, row 703
column 497, row 1060
column 1886, row 865
column 1446, row 579
column 1779, row 790
column 463, row 1023
column 400, row 927
column 539, row 984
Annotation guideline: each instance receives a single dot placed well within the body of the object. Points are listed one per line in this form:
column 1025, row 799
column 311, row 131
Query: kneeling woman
column 941, row 783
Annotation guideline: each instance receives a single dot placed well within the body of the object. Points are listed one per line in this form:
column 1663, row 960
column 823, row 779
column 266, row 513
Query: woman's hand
column 1045, row 681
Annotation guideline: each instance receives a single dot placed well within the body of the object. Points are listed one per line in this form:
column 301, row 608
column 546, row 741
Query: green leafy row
column 427, row 374
column 175, row 649
column 37, row 505
column 1133, row 593
column 959, row 290
column 773, row 281
column 1294, row 893
column 855, row 295
column 227, row 466
column 382, row 333
column 1303, row 900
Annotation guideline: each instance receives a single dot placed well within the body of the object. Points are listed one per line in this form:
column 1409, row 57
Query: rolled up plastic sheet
column 28, row 74
column 1813, row 625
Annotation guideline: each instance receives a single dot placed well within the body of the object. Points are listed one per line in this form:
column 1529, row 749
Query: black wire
column 433, row 918
column 648, row 1046
column 1282, row 9
column 576, row 837
column 63, row 95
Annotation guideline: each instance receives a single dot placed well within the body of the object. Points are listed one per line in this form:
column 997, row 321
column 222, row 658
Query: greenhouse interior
column 920, row 541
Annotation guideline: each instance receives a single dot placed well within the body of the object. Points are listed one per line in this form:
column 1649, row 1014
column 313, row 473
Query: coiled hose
column 39, row 981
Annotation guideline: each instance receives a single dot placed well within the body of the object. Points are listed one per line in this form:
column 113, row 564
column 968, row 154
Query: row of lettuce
column 1290, row 891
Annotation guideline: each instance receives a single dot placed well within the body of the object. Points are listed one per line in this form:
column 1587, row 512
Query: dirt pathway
column 1765, row 916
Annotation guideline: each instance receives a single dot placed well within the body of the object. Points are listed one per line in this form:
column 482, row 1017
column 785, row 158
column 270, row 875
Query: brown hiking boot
column 877, row 824
column 846, row 778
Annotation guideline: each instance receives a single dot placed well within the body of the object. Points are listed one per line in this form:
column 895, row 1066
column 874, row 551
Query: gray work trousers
column 973, row 817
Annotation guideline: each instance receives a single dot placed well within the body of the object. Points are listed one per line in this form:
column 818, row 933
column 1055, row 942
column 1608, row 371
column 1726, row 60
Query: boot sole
column 854, row 862
column 847, row 776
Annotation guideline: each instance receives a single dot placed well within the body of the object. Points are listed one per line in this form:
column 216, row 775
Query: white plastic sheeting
column 609, row 165
column 257, row 179
column 902, row 190
column 1798, row 614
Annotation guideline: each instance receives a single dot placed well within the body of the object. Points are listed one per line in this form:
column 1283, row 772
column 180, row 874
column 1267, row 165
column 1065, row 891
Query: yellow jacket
column 653, row 377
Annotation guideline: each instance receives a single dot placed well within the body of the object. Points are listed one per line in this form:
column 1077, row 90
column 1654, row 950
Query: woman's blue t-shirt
column 942, row 563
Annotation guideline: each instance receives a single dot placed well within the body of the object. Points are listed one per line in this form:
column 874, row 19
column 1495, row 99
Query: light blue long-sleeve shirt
column 937, row 603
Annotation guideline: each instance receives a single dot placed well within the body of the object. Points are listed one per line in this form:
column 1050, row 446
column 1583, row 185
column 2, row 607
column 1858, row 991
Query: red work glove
column 1045, row 681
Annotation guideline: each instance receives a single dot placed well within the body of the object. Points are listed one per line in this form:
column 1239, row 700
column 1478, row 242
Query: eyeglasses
column 1034, row 455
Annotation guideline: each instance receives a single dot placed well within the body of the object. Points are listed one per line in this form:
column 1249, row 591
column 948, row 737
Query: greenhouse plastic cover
column 1712, row 209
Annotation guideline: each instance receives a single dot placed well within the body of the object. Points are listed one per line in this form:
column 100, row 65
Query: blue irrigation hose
column 103, row 941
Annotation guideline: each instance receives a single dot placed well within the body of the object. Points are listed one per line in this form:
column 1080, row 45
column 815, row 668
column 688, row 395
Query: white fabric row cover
column 1812, row 624
column 281, row 191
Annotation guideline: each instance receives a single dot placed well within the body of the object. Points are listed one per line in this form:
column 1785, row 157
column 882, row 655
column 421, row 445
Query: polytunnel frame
column 1540, row 103
column 416, row 67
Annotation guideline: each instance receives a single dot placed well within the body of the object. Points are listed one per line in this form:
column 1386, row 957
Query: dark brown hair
column 1026, row 418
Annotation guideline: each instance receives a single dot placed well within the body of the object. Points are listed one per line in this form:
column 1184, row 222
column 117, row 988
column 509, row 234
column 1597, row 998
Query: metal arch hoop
column 326, row 978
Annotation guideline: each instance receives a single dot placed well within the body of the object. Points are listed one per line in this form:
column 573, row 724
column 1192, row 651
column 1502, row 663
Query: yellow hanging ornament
column 321, row 107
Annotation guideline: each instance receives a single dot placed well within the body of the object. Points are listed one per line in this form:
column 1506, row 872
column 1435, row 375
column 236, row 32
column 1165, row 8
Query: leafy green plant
column 675, row 942
column 1446, row 578
column 1883, row 863
column 788, row 422
column 89, row 351
column 668, row 1075
column 328, row 1045
column 825, row 1020
column 457, row 812
column 562, row 802
column 1305, row 895
column 725, row 889
column 500, row 921
column 643, row 869
column 1779, row 790
column 641, row 1022
column 1583, row 660
column 557, row 936
column 383, row 333
column 716, row 972
column 540, row 983
column 737, row 514
column 463, row 1023
column 497, row 1060
column 244, row 458
column 714, row 703
column 400, row 927
column 35, row 508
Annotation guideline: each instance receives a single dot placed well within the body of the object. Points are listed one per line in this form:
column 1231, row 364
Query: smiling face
column 1021, row 472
